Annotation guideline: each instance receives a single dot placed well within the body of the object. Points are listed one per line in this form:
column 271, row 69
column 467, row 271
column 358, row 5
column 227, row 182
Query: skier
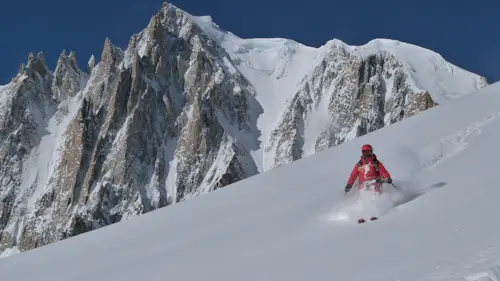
column 368, row 168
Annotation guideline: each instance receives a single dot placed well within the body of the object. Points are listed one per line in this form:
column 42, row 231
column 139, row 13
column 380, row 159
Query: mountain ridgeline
column 186, row 109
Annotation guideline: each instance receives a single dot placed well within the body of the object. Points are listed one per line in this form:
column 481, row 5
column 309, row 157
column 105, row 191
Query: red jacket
column 367, row 169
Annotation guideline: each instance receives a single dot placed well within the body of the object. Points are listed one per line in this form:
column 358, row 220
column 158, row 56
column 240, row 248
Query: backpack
column 375, row 162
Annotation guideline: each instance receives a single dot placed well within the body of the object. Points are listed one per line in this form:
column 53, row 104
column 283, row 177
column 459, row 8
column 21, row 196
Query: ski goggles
column 367, row 152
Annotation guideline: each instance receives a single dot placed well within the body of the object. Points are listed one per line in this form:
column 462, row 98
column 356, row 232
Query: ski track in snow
column 455, row 143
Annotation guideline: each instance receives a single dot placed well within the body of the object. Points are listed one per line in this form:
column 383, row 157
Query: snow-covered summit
column 428, row 69
column 424, row 63
column 404, row 76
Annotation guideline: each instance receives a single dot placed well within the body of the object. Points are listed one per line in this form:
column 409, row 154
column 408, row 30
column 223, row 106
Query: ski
column 361, row 220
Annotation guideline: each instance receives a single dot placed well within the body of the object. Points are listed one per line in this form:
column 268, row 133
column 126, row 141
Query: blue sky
column 466, row 33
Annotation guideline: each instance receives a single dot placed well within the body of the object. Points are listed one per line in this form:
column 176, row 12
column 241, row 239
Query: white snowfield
column 286, row 224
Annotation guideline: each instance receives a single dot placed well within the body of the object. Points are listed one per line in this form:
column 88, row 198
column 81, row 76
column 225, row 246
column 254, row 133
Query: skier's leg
column 360, row 185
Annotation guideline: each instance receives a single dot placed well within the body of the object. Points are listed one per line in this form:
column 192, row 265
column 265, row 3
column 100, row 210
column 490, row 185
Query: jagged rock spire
column 38, row 63
column 72, row 56
column 35, row 64
column 66, row 82
column 20, row 72
column 91, row 64
column 111, row 55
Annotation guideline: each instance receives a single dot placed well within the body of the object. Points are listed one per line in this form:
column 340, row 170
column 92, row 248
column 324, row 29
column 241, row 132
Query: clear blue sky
column 466, row 33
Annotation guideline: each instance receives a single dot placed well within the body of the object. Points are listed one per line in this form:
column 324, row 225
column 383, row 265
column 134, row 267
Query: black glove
column 347, row 188
column 389, row 180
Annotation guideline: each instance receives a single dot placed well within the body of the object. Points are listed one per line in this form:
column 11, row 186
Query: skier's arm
column 354, row 175
column 383, row 171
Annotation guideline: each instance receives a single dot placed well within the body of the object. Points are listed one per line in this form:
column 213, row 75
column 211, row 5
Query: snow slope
column 283, row 225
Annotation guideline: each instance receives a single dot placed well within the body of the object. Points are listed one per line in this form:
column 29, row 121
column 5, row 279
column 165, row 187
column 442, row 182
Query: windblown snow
column 295, row 223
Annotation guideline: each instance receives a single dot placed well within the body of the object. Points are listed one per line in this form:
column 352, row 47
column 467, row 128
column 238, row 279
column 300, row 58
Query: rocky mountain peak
column 91, row 64
column 111, row 56
column 483, row 82
column 35, row 65
column 72, row 55
column 68, row 78
column 162, row 13
column 68, row 60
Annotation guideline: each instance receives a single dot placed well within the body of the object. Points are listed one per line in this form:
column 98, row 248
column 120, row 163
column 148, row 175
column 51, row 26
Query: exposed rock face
column 357, row 95
column 169, row 118
column 26, row 105
column 152, row 126
column 68, row 79
column 91, row 64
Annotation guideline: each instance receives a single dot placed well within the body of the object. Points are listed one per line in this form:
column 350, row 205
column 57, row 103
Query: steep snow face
column 439, row 224
column 274, row 68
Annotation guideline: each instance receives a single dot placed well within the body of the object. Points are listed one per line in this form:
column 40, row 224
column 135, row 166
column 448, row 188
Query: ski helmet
column 366, row 147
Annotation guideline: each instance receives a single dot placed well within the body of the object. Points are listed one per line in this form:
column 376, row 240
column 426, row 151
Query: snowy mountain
column 186, row 109
column 294, row 222
column 315, row 98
